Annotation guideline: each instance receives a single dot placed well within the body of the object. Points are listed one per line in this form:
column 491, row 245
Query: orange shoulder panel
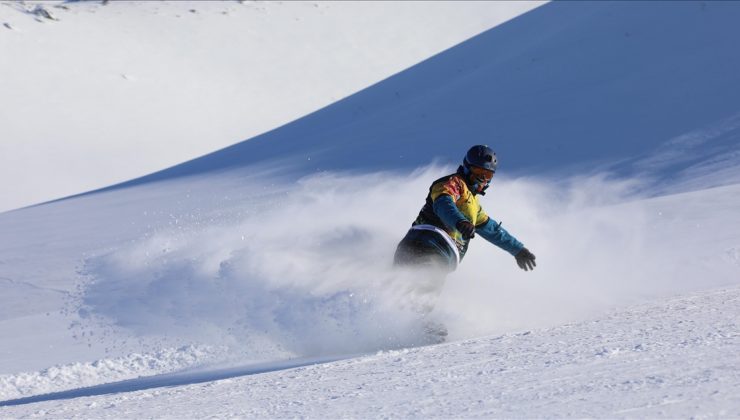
column 453, row 186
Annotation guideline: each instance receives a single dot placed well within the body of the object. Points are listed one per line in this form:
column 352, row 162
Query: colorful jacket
column 449, row 201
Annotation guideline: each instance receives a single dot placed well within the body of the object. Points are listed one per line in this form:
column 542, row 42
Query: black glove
column 466, row 228
column 525, row 260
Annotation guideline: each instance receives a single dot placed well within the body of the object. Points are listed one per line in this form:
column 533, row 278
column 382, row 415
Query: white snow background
column 209, row 284
column 107, row 93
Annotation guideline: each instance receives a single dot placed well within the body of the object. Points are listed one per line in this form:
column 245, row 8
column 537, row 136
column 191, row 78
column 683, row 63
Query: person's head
column 479, row 166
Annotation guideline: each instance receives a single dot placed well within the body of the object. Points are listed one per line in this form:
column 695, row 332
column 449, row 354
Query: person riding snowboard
column 452, row 216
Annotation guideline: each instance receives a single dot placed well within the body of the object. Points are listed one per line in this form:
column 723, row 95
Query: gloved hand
column 466, row 228
column 525, row 260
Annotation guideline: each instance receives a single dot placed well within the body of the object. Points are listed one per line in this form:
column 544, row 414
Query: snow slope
column 645, row 89
column 671, row 358
column 108, row 93
column 177, row 275
column 251, row 264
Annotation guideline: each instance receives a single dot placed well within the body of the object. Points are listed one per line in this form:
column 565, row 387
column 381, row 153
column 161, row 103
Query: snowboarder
column 452, row 216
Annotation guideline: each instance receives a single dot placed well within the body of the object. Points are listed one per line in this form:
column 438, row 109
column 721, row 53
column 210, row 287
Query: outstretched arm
column 495, row 234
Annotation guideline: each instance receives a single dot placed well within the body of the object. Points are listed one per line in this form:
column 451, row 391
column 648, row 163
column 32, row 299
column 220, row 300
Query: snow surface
column 108, row 93
column 256, row 281
column 184, row 274
column 645, row 90
column 670, row 358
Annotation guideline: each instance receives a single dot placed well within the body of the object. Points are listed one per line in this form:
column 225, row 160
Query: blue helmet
column 481, row 156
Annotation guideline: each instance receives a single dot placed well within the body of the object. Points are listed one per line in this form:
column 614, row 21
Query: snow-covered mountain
column 646, row 89
column 256, row 280
column 100, row 94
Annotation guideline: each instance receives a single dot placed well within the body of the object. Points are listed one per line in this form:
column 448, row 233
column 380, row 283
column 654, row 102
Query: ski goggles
column 481, row 174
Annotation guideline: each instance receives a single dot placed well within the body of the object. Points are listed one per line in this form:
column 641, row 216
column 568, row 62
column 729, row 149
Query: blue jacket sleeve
column 495, row 234
column 446, row 210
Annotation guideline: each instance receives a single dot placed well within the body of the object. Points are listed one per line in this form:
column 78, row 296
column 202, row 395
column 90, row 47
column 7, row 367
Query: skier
column 452, row 216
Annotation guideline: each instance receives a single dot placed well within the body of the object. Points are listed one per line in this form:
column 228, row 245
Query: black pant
column 425, row 249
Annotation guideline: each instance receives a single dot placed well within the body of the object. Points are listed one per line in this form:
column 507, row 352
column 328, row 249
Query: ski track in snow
column 668, row 358
column 75, row 375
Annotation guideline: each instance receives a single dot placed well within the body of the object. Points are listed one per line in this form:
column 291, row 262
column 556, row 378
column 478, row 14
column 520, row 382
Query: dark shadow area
column 171, row 379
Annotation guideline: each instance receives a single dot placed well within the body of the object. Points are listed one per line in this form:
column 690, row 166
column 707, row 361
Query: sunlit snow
column 256, row 281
